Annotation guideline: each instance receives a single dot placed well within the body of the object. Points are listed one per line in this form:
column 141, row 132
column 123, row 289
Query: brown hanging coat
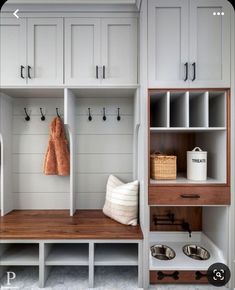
column 57, row 156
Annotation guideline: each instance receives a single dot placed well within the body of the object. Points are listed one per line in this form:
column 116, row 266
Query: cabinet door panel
column 209, row 43
column 82, row 50
column 45, row 51
column 13, row 51
column 119, row 50
column 167, row 42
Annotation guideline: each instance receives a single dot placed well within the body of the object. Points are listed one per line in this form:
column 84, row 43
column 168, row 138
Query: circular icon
column 218, row 274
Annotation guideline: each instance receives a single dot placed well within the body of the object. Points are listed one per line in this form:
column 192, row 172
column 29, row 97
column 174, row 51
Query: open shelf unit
column 89, row 253
column 195, row 118
column 188, row 110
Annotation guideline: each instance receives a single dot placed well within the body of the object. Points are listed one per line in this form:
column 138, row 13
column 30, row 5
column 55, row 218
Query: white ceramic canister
column 197, row 164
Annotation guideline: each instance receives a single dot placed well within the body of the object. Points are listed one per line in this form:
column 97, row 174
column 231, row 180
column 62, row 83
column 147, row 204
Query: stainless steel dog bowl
column 196, row 252
column 162, row 252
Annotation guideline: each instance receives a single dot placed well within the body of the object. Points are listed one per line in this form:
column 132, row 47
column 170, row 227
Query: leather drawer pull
column 190, row 195
column 161, row 275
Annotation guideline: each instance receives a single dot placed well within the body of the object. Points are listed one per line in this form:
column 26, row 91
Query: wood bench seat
column 57, row 224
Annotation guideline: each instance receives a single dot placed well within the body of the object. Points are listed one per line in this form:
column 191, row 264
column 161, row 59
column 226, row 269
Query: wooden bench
column 46, row 238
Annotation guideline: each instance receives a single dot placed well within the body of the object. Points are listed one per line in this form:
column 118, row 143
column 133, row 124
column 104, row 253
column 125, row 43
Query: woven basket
column 162, row 166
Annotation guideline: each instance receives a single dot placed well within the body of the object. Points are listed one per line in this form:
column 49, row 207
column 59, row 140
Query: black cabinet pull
column 97, row 71
column 22, row 72
column 199, row 275
column 103, row 71
column 186, row 71
column 190, row 195
column 29, row 69
column 194, row 71
column 161, row 275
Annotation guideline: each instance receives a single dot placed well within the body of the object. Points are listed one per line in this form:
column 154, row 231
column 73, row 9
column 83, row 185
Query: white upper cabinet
column 100, row 51
column 188, row 43
column 209, row 43
column 82, row 51
column 12, row 51
column 45, row 51
column 31, row 51
column 167, row 42
column 119, row 50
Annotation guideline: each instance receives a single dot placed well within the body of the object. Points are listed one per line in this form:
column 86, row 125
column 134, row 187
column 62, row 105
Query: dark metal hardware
column 103, row 71
column 118, row 116
column 57, row 112
column 29, row 75
column 169, row 220
column 27, row 118
column 186, row 71
column 89, row 113
column 190, row 195
column 104, row 115
column 194, row 71
column 21, row 72
column 199, row 275
column 97, row 71
column 43, row 118
column 161, row 275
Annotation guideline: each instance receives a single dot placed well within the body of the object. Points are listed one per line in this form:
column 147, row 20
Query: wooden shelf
column 68, row 255
column 116, row 255
column 181, row 178
column 20, row 255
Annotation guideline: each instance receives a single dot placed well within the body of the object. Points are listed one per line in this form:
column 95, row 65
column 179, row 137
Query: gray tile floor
column 75, row 278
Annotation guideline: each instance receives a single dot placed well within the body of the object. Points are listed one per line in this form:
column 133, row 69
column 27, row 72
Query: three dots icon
column 218, row 13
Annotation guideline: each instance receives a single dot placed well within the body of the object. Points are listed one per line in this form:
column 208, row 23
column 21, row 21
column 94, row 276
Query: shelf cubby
column 217, row 109
column 19, row 254
column 160, row 109
column 67, row 254
column 116, row 254
column 198, row 109
column 179, row 113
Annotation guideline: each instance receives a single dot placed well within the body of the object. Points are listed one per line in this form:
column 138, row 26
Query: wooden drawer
column 189, row 195
column 177, row 277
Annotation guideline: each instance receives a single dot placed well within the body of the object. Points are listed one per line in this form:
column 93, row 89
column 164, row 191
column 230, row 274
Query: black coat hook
column 118, row 115
column 104, row 115
column 43, row 118
column 57, row 112
column 27, row 118
column 89, row 113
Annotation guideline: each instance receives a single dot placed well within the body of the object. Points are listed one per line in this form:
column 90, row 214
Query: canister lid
column 197, row 150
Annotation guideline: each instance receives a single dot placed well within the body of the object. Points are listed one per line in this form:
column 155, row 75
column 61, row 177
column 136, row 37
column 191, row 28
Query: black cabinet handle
column 161, row 275
column 29, row 69
column 199, row 275
column 190, row 195
column 22, row 72
column 103, row 71
column 186, row 71
column 194, row 71
column 97, row 71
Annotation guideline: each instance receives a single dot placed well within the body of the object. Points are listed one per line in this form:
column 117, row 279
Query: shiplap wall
column 31, row 188
column 102, row 148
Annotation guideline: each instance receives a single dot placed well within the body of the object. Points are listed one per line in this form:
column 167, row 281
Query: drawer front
column 177, row 277
column 210, row 195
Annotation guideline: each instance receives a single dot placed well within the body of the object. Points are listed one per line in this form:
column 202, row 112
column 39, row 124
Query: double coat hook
column 43, row 117
column 27, row 118
column 57, row 112
column 104, row 115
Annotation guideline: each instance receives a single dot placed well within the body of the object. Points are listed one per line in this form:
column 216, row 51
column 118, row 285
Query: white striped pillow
column 121, row 202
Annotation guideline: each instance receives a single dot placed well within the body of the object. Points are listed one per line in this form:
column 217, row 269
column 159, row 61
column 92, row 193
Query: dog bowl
column 196, row 252
column 162, row 252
